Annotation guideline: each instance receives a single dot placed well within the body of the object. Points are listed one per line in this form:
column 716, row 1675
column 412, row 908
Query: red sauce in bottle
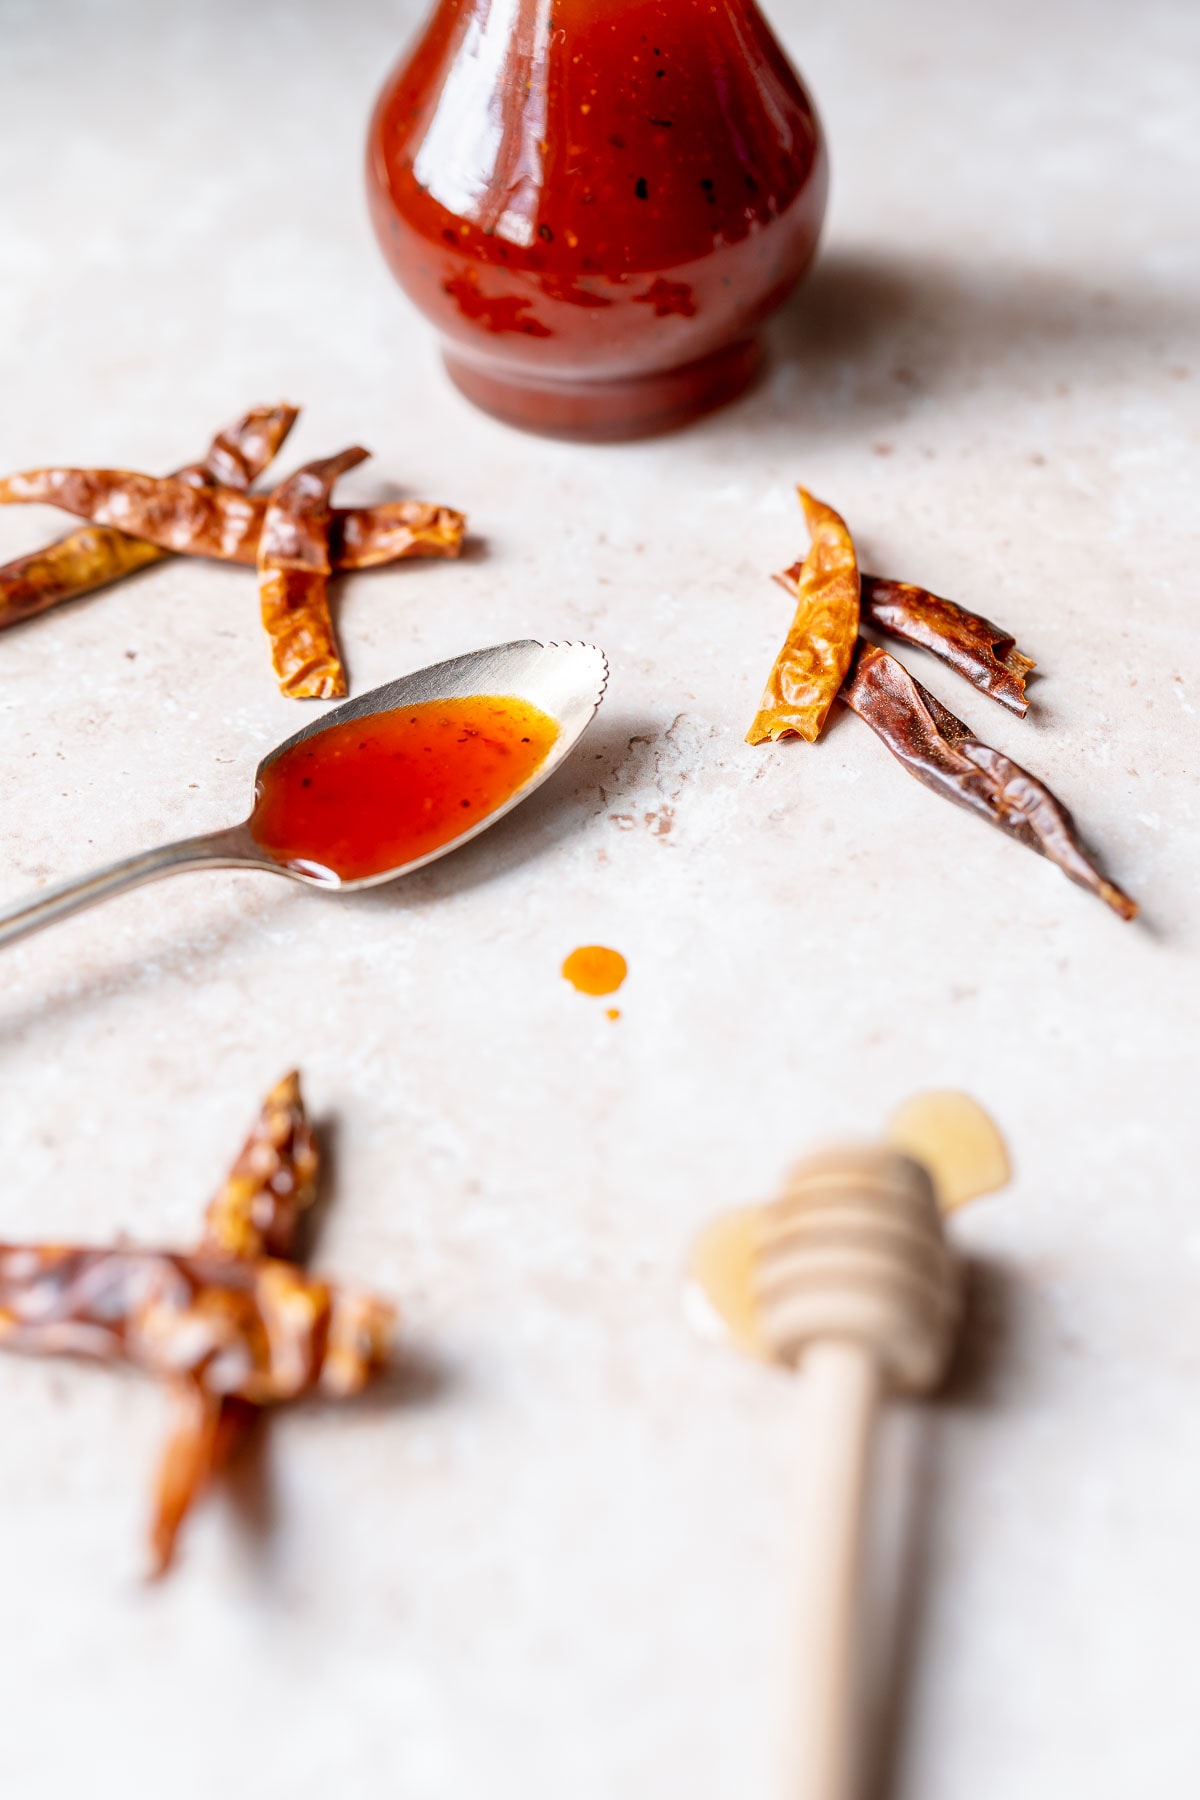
column 372, row 794
column 597, row 201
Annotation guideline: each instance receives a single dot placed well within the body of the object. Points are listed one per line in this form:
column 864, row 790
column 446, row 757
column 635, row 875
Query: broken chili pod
column 293, row 580
column 812, row 664
column 171, row 514
column 364, row 537
column 200, row 1426
column 172, row 511
column 258, row 1210
column 238, row 454
column 944, row 754
column 255, row 1329
column 230, row 1335
column 231, row 1331
column 984, row 654
column 273, row 1182
column 87, row 559
column 95, row 555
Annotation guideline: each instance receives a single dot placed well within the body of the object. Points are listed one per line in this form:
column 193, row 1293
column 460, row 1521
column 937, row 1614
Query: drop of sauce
column 370, row 795
column 594, row 970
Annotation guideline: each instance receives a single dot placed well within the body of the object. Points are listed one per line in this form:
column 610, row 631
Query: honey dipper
column 848, row 1277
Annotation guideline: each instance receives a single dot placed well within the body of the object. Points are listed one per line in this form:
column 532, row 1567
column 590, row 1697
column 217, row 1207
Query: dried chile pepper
column 982, row 653
column 231, row 1329
column 169, row 510
column 293, row 535
column 293, row 580
column 206, row 1432
column 238, row 455
column 95, row 555
column 258, row 1211
column 175, row 516
column 941, row 751
column 934, row 745
column 87, row 559
column 272, row 1184
column 254, row 1328
column 365, row 537
column 812, row 664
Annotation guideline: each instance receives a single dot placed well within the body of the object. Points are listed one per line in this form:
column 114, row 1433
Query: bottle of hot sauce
column 597, row 202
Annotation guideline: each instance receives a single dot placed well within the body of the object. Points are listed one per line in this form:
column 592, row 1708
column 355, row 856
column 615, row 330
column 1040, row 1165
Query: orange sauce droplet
column 594, row 970
column 372, row 794
column 612, row 1012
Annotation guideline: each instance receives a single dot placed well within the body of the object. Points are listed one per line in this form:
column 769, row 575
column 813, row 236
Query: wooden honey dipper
column 848, row 1277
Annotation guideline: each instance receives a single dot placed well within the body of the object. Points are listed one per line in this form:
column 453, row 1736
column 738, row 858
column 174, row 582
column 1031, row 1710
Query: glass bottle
column 597, row 202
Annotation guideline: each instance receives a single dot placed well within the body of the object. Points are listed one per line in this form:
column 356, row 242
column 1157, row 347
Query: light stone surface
column 558, row 1562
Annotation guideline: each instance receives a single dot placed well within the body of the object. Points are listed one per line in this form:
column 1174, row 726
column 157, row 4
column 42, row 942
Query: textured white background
column 557, row 1561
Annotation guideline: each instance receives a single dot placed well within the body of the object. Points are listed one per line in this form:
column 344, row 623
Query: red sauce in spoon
column 372, row 794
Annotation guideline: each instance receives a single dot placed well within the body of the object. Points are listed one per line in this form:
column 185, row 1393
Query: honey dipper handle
column 841, row 1387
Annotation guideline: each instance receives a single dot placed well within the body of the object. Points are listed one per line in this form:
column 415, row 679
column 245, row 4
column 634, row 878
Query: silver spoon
column 566, row 681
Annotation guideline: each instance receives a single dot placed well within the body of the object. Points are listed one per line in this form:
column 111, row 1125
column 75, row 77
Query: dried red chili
column 272, row 1184
column 206, row 1434
column 942, row 752
column 809, row 669
column 364, row 537
column 982, row 653
column 254, row 1328
column 293, row 536
column 238, row 454
column 170, row 512
column 258, row 1211
column 231, row 1329
column 293, row 580
column 96, row 555
column 87, row 559
column 176, row 514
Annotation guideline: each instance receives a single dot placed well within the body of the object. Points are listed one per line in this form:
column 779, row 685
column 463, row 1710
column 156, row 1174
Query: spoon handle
column 230, row 849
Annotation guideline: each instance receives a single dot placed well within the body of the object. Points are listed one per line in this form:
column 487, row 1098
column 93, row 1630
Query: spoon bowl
column 563, row 682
